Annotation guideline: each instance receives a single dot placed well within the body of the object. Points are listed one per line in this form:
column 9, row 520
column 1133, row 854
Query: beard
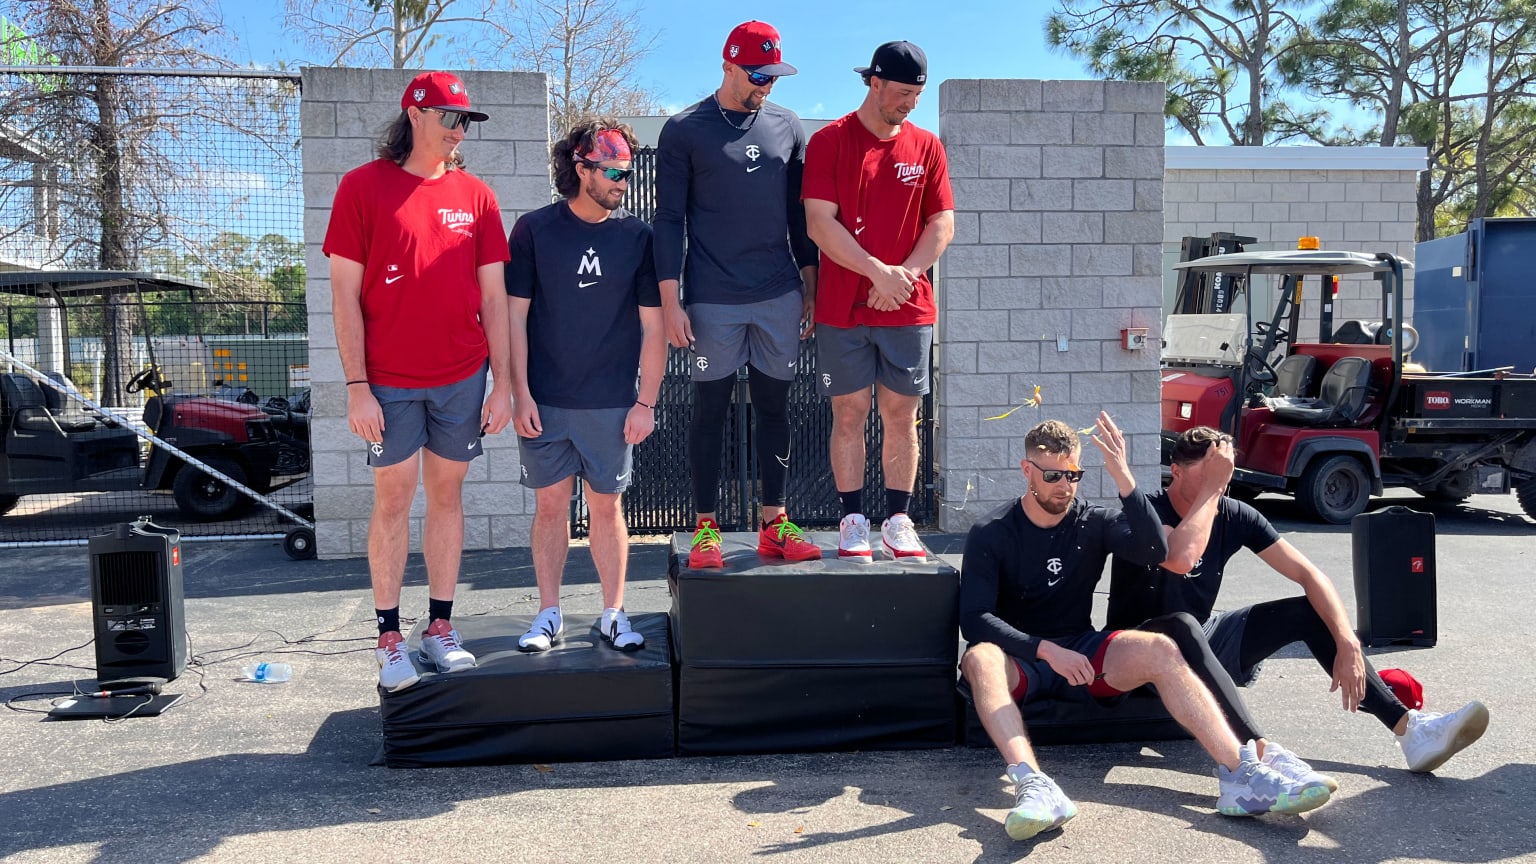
column 1051, row 505
column 611, row 201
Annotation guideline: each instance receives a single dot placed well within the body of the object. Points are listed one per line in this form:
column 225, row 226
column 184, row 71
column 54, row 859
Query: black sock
column 438, row 609
column 853, row 502
column 896, row 501
column 389, row 620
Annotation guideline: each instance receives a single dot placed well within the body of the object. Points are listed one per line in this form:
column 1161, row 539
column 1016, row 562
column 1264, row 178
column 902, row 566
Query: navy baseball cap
column 901, row 62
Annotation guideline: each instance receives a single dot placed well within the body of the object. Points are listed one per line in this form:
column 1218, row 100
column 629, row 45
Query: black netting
column 151, row 232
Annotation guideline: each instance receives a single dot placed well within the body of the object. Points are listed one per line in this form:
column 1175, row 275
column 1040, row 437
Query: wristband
column 360, row 381
column 643, row 405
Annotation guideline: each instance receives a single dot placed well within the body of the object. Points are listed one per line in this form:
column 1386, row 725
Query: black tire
column 1526, row 492
column 300, row 544
column 7, row 502
column 202, row 496
column 1334, row 488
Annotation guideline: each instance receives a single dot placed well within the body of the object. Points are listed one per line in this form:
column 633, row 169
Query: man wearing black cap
column 878, row 203
column 421, row 312
column 728, row 179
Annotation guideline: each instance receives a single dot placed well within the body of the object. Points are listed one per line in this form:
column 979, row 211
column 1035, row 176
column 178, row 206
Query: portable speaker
column 137, row 603
column 1394, row 556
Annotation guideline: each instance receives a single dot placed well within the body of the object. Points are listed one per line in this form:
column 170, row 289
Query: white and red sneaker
column 853, row 539
column 900, row 539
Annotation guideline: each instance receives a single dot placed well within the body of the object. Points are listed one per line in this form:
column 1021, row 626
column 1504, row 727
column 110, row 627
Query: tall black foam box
column 1394, row 556
column 137, row 604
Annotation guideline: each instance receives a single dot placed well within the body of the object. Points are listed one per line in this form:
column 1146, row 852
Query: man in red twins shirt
column 878, row 204
column 417, row 256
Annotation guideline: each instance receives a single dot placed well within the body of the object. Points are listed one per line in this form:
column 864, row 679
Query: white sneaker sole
column 894, row 555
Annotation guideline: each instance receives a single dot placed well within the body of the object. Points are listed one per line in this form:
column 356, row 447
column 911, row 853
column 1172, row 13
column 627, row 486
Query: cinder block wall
column 1059, row 223
column 343, row 112
column 1354, row 198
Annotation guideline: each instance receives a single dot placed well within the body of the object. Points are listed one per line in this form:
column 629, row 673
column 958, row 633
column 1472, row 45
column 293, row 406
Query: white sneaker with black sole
column 613, row 627
column 546, row 630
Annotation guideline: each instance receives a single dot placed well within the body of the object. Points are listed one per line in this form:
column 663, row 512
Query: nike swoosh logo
column 783, row 460
column 393, row 280
column 471, row 446
column 586, row 284
column 1051, row 583
column 859, row 230
column 754, row 168
column 622, row 477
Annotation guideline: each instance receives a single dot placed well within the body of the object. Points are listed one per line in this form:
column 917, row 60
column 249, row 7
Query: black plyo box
column 579, row 701
column 775, row 656
column 1080, row 719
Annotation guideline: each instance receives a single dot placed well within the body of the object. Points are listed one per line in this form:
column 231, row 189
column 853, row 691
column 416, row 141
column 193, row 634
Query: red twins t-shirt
column 420, row 242
column 885, row 191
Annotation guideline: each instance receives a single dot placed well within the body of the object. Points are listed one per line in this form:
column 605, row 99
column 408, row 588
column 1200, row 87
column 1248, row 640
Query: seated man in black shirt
column 1206, row 529
column 1026, row 593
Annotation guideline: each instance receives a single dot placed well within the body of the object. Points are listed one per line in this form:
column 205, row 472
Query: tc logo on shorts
column 525, row 472
column 376, row 448
column 702, row 362
column 826, row 380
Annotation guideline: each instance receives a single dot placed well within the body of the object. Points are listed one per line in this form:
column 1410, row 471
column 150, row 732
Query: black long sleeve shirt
column 1020, row 583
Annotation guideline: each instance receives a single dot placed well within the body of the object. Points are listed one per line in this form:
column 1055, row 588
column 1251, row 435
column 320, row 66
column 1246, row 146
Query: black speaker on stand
column 1394, row 557
column 137, row 603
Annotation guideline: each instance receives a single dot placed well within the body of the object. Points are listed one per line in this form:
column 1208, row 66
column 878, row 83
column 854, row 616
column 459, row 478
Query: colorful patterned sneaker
column 1432, row 738
column 782, row 538
column 1256, row 788
column 545, row 631
column 396, row 671
column 613, row 627
column 1292, row 767
column 853, row 538
column 443, row 648
column 706, row 546
column 1039, row 805
column 900, row 539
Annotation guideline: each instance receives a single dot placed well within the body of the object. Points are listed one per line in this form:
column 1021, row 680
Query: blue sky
column 825, row 40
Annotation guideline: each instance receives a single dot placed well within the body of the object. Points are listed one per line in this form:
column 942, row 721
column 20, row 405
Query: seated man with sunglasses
column 1026, row 594
column 1205, row 530
column 416, row 262
column 585, row 316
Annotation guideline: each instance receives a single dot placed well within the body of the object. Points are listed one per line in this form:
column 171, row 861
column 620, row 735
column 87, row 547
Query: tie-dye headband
column 609, row 145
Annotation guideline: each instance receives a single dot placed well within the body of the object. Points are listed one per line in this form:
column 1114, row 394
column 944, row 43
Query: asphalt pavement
column 282, row 772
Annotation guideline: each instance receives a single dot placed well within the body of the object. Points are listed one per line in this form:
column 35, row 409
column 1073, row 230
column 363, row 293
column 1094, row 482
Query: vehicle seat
column 1341, row 398
column 1294, row 376
column 30, row 407
column 1357, row 333
column 70, row 413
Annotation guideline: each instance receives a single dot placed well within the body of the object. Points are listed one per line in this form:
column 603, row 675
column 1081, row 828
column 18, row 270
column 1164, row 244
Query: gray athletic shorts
column 728, row 335
column 445, row 420
column 850, row 359
column 578, row 441
column 1224, row 630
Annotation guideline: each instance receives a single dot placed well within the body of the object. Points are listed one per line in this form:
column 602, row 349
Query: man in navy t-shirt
column 586, row 316
column 1207, row 528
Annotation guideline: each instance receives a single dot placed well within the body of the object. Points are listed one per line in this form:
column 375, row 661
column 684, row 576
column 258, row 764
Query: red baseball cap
column 441, row 90
column 1407, row 688
column 754, row 46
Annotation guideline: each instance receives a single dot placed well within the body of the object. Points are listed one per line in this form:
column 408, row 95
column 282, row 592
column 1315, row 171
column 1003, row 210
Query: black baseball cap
column 901, row 62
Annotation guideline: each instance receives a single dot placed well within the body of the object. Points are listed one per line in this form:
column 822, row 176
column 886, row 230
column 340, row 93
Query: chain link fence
column 152, row 263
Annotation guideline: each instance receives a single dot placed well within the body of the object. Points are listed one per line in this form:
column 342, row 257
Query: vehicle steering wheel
column 1260, row 370
column 146, row 379
column 1281, row 334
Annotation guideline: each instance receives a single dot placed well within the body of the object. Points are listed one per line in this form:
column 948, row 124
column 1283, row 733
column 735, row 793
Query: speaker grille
column 129, row 578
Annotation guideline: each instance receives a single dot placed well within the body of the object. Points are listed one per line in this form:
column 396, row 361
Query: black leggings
column 1276, row 624
column 1187, row 633
column 706, row 436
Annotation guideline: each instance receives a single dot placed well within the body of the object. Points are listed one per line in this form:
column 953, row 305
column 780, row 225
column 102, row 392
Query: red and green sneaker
column 706, row 546
column 782, row 538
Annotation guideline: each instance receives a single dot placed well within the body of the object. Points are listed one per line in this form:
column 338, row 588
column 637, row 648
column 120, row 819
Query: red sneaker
column 706, row 547
column 782, row 538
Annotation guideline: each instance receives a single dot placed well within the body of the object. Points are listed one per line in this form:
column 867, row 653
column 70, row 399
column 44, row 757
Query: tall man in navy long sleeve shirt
column 728, row 179
column 1026, row 594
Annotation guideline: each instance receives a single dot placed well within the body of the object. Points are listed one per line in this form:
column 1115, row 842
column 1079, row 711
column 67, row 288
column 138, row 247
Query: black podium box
column 819, row 655
column 579, row 701
column 1394, row 562
column 1140, row 716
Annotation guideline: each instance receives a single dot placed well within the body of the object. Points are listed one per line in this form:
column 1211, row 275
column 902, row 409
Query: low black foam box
column 1080, row 719
column 776, row 656
column 581, row 700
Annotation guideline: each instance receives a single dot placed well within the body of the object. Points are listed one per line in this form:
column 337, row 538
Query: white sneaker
column 1432, row 738
column 900, row 539
column 1292, row 767
column 396, row 671
column 443, row 648
column 546, row 630
column 1256, row 788
column 853, row 538
column 613, row 627
column 1038, row 805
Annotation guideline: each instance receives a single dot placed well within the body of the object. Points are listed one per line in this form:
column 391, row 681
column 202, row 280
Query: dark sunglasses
column 452, row 120
column 616, row 175
column 760, row 80
column 1053, row 475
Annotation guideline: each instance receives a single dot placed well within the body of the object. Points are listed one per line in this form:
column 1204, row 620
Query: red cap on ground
column 1407, row 688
